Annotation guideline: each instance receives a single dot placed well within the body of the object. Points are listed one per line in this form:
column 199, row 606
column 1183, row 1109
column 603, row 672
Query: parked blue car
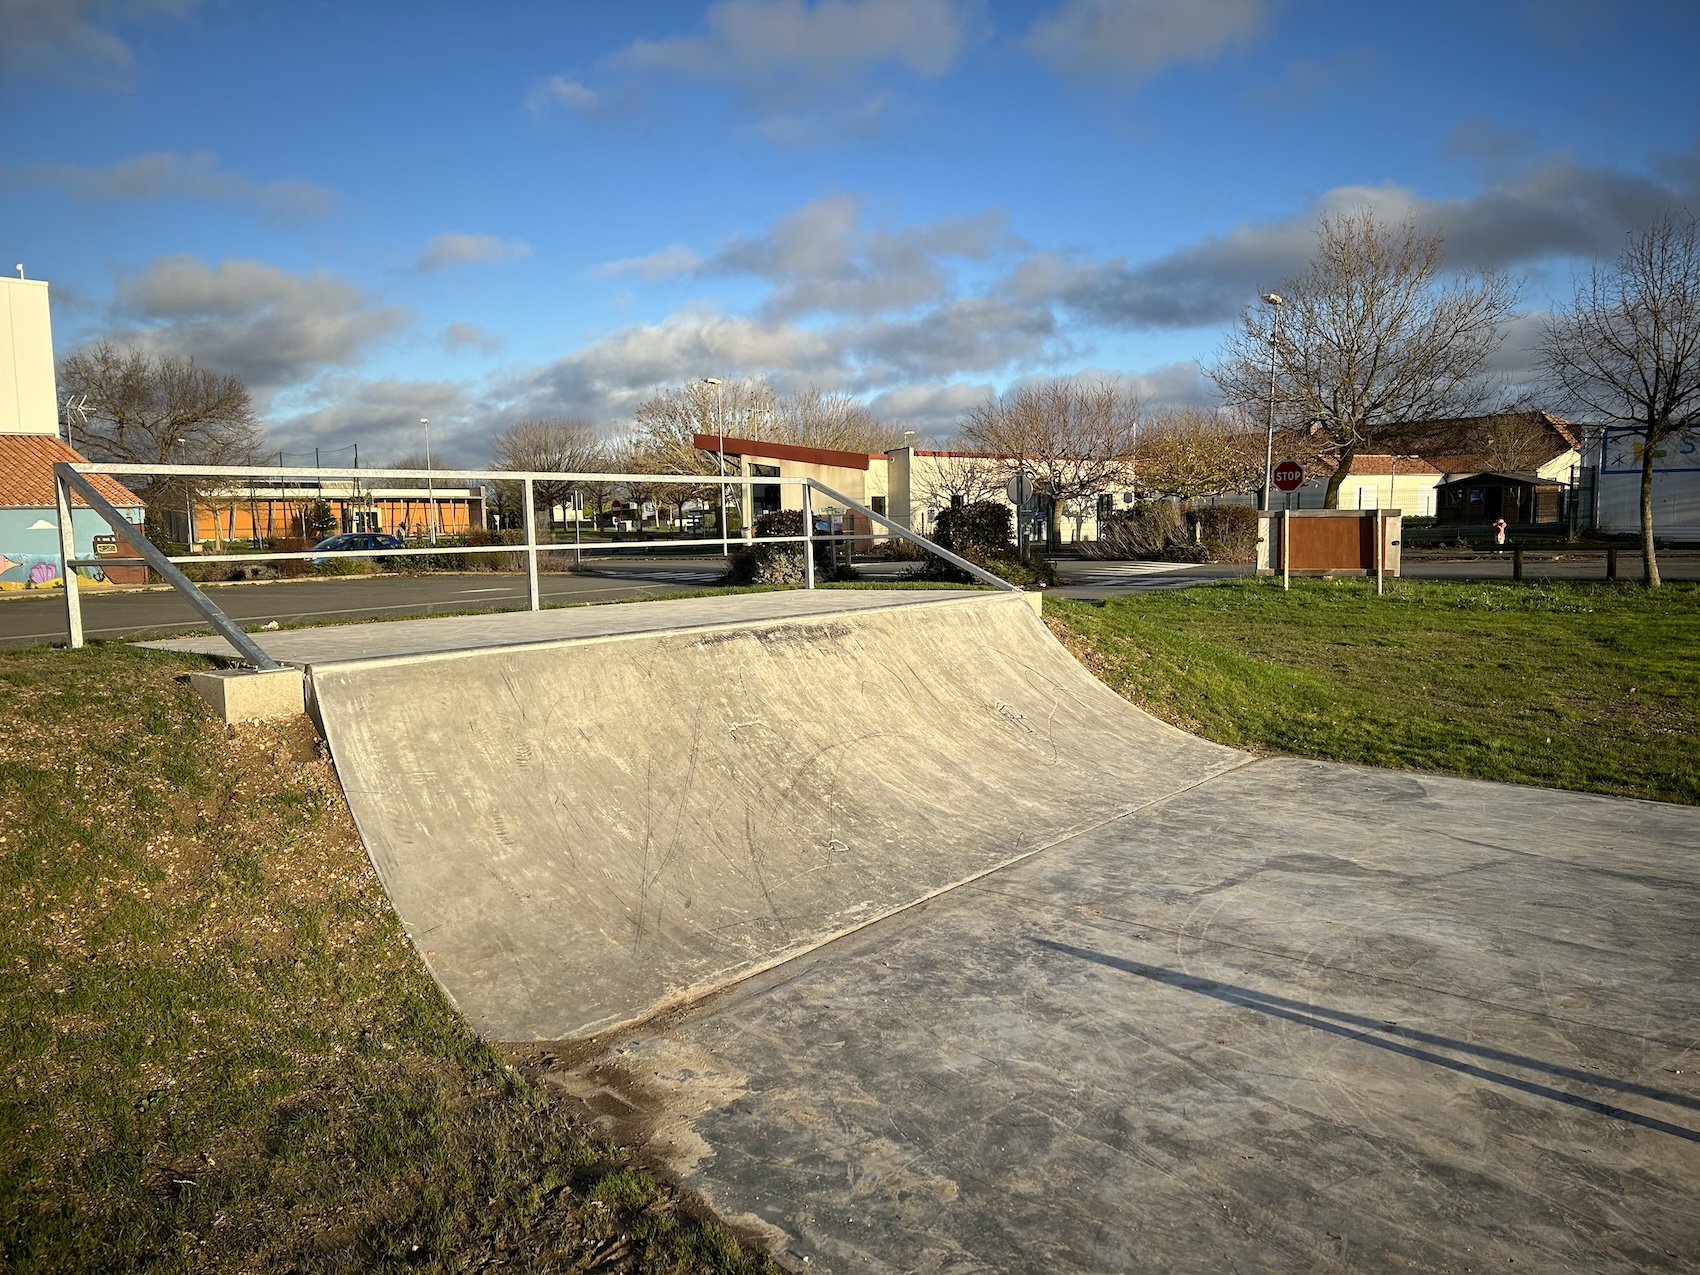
column 350, row 540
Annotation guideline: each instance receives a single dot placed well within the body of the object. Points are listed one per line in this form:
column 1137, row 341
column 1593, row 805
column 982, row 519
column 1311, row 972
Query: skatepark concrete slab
column 456, row 633
column 581, row 833
column 1012, row 976
column 1298, row 1017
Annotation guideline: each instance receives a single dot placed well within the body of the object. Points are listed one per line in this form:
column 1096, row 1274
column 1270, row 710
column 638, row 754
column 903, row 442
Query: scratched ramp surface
column 578, row 834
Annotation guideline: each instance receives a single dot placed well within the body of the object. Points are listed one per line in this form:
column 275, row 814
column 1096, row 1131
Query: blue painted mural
column 29, row 545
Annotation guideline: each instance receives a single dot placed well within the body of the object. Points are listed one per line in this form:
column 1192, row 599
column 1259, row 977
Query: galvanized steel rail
column 71, row 477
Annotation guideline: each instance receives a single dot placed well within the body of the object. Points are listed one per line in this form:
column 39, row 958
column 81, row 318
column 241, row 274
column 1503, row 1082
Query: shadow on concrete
column 1381, row 1034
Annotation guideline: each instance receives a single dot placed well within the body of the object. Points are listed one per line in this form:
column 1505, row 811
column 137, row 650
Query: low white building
column 1611, row 482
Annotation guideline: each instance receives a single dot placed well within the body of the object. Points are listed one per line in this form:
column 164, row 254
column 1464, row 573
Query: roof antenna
column 20, row 270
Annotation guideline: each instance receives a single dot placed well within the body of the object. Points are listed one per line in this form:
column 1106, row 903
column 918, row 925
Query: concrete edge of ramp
column 583, row 833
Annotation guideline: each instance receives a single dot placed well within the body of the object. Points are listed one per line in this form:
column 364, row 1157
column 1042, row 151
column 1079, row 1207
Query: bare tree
column 961, row 476
column 1074, row 437
column 1628, row 347
column 813, row 417
column 554, row 444
column 1372, row 335
column 140, row 409
column 1193, row 451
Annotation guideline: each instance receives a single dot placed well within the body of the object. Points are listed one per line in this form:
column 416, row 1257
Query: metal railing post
column 903, row 533
column 535, row 602
column 67, row 555
column 226, row 628
column 808, row 537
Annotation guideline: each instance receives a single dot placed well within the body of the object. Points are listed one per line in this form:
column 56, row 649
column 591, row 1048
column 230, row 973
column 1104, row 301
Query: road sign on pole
column 1289, row 475
column 1019, row 490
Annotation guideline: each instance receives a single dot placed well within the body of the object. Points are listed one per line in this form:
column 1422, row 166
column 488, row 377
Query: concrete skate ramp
column 576, row 835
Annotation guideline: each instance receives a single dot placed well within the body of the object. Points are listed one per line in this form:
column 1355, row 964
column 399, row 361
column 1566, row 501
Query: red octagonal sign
column 1289, row 474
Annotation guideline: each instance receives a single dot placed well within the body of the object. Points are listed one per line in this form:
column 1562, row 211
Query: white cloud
column 835, row 39
column 821, row 258
column 267, row 325
column 812, row 72
column 71, row 39
column 469, row 336
column 457, row 248
column 561, row 90
column 606, row 379
column 1553, row 210
column 674, row 259
column 165, row 175
column 933, row 411
column 1138, row 37
column 382, row 416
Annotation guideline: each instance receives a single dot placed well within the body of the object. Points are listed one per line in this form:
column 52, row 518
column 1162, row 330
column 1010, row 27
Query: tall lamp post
column 1273, row 301
column 720, row 425
column 430, row 488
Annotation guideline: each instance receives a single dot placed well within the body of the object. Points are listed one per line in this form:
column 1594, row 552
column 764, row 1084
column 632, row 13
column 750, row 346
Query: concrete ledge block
column 251, row 695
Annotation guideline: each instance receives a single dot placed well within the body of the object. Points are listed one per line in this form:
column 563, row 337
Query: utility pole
column 1273, row 300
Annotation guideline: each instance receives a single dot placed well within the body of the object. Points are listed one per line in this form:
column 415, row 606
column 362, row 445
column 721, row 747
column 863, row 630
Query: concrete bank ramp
column 578, row 833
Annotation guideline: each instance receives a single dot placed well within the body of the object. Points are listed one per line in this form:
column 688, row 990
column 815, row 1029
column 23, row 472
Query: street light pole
column 1272, row 300
column 720, row 424
column 430, row 487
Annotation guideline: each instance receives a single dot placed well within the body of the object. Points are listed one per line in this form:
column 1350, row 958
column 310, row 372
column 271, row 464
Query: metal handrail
column 72, row 477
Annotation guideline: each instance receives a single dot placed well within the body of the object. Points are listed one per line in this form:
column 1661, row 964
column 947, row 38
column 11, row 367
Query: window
column 1106, row 506
column 877, row 504
column 765, row 496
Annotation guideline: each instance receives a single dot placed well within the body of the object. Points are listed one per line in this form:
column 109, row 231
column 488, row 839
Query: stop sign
column 1289, row 474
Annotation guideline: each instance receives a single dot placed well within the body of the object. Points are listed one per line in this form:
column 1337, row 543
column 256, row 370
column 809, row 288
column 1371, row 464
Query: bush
column 342, row 567
column 420, row 564
column 1148, row 530
column 1228, row 533
column 782, row 563
column 979, row 530
column 298, row 567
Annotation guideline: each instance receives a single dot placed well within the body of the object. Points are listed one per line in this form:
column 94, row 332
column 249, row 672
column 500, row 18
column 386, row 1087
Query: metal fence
column 71, row 481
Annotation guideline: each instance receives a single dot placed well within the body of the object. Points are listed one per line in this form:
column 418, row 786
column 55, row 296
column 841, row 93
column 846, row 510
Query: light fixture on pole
column 720, row 424
column 1273, row 300
column 430, row 487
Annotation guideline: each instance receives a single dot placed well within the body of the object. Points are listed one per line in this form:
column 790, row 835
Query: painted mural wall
column 29, row 545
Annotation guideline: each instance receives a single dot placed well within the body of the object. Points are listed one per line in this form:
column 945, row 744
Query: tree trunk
column 1336, row 480
column 1649, row 563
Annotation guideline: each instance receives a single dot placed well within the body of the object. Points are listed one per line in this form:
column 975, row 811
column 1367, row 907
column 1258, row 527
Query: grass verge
column 221, row 1052
column 1591, row 687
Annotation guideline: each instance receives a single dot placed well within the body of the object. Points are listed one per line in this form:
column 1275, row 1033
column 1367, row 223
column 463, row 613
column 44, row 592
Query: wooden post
column 1611, row 564
column 1378, row 554
column 1286, row 552
column 1517, row 562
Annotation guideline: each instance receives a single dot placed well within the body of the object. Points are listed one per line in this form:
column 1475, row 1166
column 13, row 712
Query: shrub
column 782, row 563
column 342, row 567
column 1148, row 530
column 297, row 567
column 1227, row 532
column 979, row 530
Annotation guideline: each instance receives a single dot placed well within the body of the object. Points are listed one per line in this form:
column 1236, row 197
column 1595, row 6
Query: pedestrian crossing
column 1110, row 574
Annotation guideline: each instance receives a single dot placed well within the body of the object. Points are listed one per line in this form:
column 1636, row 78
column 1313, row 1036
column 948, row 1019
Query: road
column 31, row 618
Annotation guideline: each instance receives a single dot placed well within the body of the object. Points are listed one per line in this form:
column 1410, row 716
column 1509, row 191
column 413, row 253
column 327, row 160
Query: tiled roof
column 26, row 474
column 1367, row 466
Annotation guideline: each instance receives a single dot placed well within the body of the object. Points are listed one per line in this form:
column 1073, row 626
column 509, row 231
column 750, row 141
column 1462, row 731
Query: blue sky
column 376, row 211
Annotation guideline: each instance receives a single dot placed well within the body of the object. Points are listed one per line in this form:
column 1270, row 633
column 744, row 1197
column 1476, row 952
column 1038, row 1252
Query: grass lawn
column 1593, row 687
column 220, row 1051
